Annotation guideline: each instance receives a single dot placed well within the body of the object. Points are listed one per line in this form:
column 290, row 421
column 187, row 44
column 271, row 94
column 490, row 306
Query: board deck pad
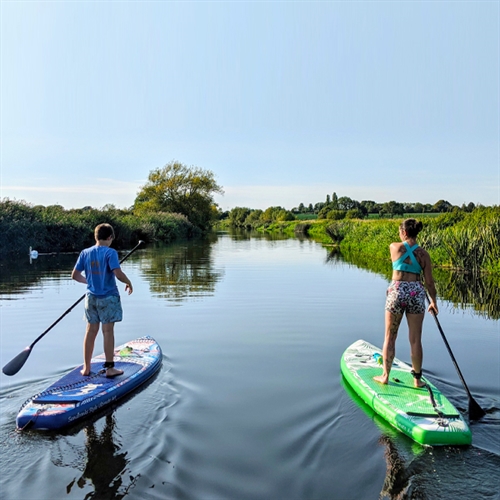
column 407, row 408
column 74, row 387
column 74, row 397
column 403, row 394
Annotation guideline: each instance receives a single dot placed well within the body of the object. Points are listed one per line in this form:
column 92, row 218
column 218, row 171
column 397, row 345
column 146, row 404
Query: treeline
column 335, row 208
column 344, row 207
column 54, row 229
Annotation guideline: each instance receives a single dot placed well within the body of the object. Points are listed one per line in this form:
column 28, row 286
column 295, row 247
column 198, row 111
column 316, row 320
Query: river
column 249, row 403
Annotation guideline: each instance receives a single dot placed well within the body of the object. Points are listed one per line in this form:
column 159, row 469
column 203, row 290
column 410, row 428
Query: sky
column 284, row 101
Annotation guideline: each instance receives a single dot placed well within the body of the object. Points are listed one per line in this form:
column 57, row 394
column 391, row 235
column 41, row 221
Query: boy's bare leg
column 108, row 332
column 88, row 346
column 392, row 322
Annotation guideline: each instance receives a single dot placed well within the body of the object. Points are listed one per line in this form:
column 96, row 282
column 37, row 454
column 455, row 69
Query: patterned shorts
column 405, row 296
column 103, row 310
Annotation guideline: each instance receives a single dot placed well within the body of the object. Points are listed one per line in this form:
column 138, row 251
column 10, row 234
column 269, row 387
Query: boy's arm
column 121, row 276
column 78, row 276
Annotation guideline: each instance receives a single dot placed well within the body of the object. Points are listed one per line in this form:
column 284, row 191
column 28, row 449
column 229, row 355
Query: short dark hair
column 103, row 232
column 412, row 227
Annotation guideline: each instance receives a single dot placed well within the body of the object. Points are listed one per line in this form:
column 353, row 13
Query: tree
column 355, row 213
column 419, row 208
column 346, row 203
column 370, row 206
column 177, row 188
column 237, row 215
column 318, row 206
column 392, row 208
column 335, row 201
column 253, row 217
column 442, row 206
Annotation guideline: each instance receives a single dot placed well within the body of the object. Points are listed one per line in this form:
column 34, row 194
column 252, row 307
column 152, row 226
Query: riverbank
column 468, row 242
column 53, row 229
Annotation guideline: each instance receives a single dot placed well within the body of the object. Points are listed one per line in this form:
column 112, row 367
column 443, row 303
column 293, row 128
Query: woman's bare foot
column 381, row 379
column 113, row 372
column 418, row 383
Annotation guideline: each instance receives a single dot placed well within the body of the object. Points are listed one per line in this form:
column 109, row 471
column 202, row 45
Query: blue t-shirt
column 98, row 263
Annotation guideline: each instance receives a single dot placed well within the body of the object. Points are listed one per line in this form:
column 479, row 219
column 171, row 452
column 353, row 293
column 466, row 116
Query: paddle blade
column 475, row 411
column 14, row 365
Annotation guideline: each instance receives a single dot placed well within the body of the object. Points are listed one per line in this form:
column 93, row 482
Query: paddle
column 15, row 364
column 475, row 411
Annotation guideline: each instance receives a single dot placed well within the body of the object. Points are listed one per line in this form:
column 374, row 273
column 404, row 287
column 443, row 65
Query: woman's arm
column 429, row 281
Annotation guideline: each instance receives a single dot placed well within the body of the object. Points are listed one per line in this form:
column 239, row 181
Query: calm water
column 250, row 403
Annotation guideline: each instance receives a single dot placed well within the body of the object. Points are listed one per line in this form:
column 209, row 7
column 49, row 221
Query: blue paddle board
column 74, row 397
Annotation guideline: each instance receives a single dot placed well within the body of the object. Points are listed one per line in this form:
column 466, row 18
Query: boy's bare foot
column 382, row 379
column 113, row 372
column 84, row 372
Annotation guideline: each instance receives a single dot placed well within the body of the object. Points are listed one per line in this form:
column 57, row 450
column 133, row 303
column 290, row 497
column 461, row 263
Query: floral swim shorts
column 103, row 310
column 405, row 296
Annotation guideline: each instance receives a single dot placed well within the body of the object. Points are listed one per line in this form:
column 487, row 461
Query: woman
column 406, row 295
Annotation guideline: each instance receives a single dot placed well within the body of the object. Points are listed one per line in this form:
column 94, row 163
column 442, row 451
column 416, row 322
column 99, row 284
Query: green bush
column 54, row 229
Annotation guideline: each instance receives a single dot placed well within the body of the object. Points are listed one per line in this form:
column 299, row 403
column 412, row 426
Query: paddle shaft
column 451, row 354
column 474, row 409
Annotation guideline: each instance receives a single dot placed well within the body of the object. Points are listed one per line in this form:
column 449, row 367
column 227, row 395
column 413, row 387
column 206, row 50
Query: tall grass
column 466, row 241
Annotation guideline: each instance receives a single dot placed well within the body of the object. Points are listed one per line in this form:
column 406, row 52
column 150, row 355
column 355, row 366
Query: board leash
column 442, row 421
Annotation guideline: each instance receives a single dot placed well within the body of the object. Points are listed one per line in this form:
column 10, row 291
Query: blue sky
column 284, row 101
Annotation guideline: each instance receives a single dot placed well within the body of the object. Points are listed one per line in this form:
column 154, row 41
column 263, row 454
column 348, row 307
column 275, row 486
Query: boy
column 102, row 303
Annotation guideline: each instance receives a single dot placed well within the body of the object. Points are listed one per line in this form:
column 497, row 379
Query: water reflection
column 416, row 471
column 19, row 276
column 181, row 270
column 478, row 292
column 239, row 234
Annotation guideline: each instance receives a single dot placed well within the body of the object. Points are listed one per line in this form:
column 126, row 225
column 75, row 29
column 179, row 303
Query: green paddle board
column 424, row 414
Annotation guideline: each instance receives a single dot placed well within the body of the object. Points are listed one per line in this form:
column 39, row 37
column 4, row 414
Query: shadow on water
column 479, row 293
column 416, row 472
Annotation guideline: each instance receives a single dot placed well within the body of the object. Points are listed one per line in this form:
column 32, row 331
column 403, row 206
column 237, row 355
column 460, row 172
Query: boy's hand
column 129, row 289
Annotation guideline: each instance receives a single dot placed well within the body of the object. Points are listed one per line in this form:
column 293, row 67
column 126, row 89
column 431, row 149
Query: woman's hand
column 433, row 308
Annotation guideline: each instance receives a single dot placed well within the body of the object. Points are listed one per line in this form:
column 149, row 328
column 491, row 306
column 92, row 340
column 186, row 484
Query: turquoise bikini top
column 400, row 265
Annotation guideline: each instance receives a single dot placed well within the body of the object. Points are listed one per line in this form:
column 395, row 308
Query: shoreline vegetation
column 459, row 240
column 53, row 229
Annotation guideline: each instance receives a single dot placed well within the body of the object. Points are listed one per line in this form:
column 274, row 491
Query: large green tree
column 177, row 188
